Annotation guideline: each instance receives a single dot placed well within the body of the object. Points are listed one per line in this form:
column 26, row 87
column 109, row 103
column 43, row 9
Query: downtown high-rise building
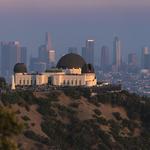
column 84, row 52
column 50, row 52
column 10, row 55
column 104, row 57
column 43, row 53
column 145, row 58
column 23, row 58
column 46, row 56
column 72, row 50
column 90, row 51
column 116, row 54
column 48, row 42
column 51, row 58
column 36, row 65
column 132, row 63
column 132, row 59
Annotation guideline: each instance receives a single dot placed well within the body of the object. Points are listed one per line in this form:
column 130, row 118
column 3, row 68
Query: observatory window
column 80, row 82
column 76, row 82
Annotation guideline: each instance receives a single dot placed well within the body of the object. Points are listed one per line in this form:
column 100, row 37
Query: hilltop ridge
column 80, row 119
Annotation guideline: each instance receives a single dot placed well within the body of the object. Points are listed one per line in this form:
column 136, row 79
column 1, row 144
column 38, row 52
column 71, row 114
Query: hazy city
column 133, row 74
column 74, row 75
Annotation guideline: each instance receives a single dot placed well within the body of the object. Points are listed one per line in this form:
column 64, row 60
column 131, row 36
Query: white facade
column 69, row 80
column 30, row 79
column 68, row 77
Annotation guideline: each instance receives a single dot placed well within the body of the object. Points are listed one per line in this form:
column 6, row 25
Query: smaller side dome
column 20, row 68
column 88, row 68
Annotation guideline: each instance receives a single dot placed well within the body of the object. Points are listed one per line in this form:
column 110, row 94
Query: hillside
column 78, row 119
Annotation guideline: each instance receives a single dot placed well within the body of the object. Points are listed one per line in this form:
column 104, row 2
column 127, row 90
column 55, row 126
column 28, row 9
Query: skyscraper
column 104, row 57
column 51, row 58
column 84, row 53
column 48, row 41
column 10, row 55
column 145, row 59
column 90, row 51
column 36, row 65
column 72, row 50
column 132, row 59
column 23, row 55
column 116, row 53
column 43, row 53
column 47, row 53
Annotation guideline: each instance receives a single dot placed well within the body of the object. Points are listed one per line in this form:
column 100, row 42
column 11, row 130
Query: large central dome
column 70, row 61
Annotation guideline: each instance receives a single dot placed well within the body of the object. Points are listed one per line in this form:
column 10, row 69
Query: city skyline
column 46, row 47
column 74, row 74
column 101, row 20
column 105, row 71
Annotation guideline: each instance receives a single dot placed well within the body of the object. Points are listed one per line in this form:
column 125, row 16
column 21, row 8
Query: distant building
column 23, row 55
column 116, row 54
column 145, row 58
column 90, row 51
column 34, row 64
column 132, row 63
column 40, row 67
column 43, row 53
column 51, row 58
column 132, row 59
column 47, row 54
column 147, row 62
column 10, row 55
column 72, row 50
column 84, row 53
column 71, row 70
column 48, row 43
column 104, row 57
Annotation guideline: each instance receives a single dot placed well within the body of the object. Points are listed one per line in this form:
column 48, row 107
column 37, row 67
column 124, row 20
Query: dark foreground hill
column 74, row 119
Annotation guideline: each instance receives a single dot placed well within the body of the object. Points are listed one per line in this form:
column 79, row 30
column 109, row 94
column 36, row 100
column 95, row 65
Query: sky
column 71, row 22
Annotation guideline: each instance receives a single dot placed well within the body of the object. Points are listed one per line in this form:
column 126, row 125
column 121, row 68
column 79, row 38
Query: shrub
column 30, row 134
column 25, row 118
column 9, row 127
column 117, row 115
column 74, row 105
column 102, row 120
column 97, row 112
column 72, row 92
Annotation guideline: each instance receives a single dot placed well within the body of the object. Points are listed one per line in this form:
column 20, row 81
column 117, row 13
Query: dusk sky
column 71, row 22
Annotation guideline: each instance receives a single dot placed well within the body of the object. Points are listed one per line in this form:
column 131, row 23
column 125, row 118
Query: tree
column 9, row 127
